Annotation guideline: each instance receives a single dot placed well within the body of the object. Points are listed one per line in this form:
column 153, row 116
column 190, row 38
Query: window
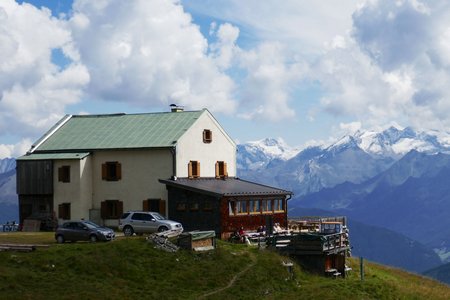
column 221, row 169
column 194, row 206
column 241, row 207
column 207, row 136
column 64, row 174
column 181, row 206
column 64, row 211
column 42, row 208
column 232, row 208
column 111, row 209
column 266, row 206
column 194, row 169
column 207, row 206
column 141, row 217
column 278, row 205
column 156, row 205
column 111, row 171
column 253, row 206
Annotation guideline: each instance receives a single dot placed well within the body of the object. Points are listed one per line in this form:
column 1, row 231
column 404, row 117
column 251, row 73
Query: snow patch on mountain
column 7, row 164
column 395, row 142
column 274, row 148
column 258, row 154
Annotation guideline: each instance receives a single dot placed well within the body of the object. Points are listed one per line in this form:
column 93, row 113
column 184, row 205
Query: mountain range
column 8, row 196
column 395, row 179
column 354, row 158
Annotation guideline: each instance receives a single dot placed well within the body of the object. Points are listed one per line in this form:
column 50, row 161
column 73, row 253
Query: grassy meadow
column 132, row 268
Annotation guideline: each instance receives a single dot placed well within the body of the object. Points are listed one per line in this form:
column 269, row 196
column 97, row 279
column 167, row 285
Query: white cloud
column 351, row 127
column 15, row 150
column 383, row 62
column 33, row 90
column 395, row 68
column 269, row 82
column 149, row 53
column 224, row 50
column 303, row 25
column 393, row 33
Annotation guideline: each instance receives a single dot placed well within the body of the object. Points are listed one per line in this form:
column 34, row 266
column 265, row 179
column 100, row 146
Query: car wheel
column 93, row 238
column 128, row 231
column 162, row 228
column 60, row 239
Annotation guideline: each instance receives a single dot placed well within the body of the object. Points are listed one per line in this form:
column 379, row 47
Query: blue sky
column 304, row 71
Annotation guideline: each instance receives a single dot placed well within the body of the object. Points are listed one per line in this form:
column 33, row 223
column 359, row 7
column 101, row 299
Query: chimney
column 176, row 108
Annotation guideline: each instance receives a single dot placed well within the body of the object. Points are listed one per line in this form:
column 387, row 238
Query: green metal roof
column 118, row 131
column 45, row 156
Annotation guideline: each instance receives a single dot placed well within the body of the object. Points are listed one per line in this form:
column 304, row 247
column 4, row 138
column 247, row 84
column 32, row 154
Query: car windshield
column 157, row 216
column 91, row 225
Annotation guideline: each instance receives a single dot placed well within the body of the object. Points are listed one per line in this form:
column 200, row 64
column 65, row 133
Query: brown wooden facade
column 250, row 220
column 209, row 210
column 35, row 190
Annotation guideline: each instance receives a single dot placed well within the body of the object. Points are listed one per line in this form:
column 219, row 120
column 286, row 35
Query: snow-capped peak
column 395, row 142
column 273, row 148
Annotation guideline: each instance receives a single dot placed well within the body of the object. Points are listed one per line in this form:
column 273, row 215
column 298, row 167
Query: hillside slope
column 133, row 268
column 441, row 273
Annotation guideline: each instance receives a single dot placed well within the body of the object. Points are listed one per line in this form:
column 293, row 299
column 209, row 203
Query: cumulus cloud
column 264, row 77
column 225, row 49
column 392, row 66
column 384, row 61
column 34, row 91
column 148, row 53
column 15, row 150
column 268, row 83
column 393, row 33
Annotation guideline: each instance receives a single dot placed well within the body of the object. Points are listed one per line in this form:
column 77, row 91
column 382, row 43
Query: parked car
column 83, row 231
column 146, row 222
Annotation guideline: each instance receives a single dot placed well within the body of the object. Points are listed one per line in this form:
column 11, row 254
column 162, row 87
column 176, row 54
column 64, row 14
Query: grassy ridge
column 131, row 268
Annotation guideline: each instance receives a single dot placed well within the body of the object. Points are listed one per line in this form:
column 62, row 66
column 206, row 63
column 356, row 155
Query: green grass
column 130, row 268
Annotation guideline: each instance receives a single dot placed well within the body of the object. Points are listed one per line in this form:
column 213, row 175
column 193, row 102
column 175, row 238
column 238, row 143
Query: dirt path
column 232, row 281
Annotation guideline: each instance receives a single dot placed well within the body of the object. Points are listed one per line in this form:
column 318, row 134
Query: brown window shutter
column 61, row 211
column 60, row 175
column 217, row 170
column 190, row 169
column 104, row 210
column 104, row 171
column 119, row 208
column 119, row 171
column 198, row 169
column 145, row 205
column 225, row 171
column 162, row 207
column 67, row 213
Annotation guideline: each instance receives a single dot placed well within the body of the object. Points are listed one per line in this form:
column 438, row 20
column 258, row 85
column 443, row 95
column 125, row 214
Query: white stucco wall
column 141, row 170
column 77, row 192
column 191, row 147
column 85, row 187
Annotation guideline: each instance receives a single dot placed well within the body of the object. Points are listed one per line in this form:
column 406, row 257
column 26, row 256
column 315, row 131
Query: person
column 277, row 229
column 261, row 230
column 242, row 234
